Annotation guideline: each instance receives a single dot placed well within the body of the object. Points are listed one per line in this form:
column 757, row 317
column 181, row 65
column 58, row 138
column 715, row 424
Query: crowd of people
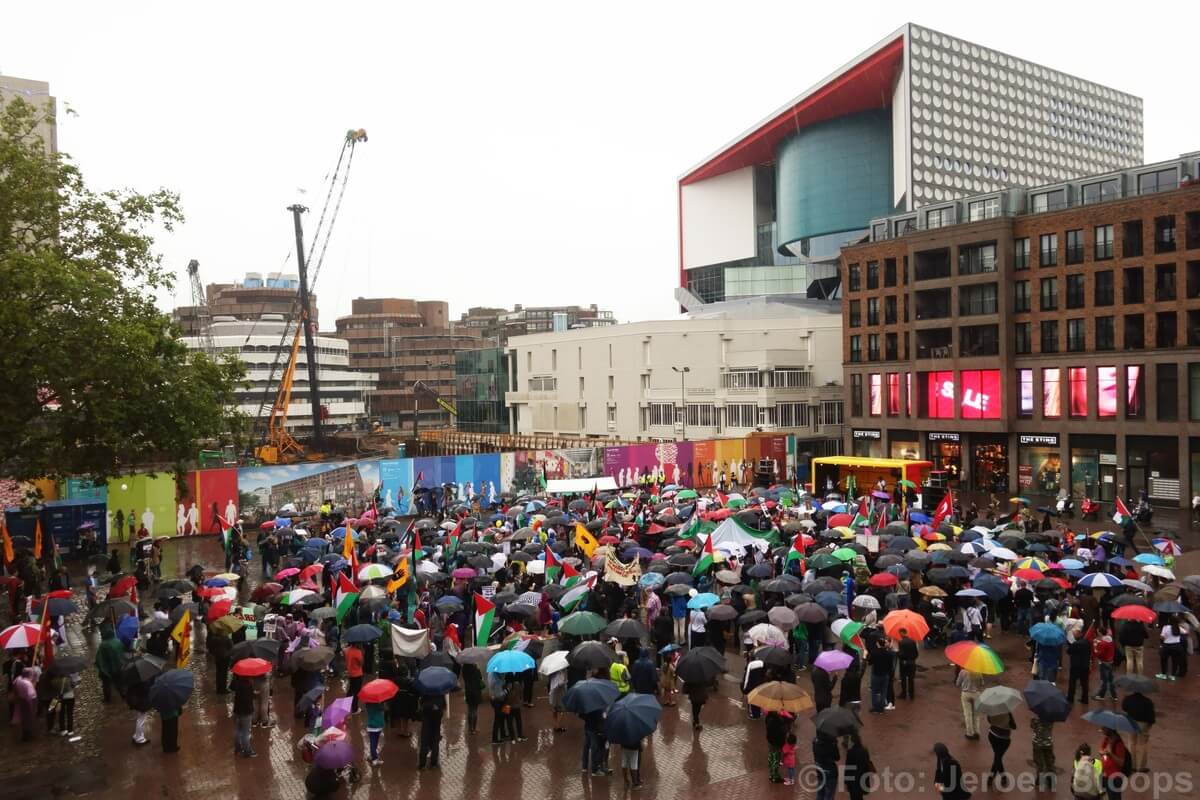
column 621, row 601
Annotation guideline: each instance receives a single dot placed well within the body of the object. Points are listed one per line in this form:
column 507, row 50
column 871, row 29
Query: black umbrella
column 435, row 681
column 57, row 606
column 627, row 629
column 313, row 659
column 837, row 721
column 115, row 606
column 308, row 698
column 590, row 695
column 183, row 608
column 695, row 668
column 773, row 656
column 68, row 665
column 679, row 590
column 1047, row 701
column 631, row 719
column 592, row 656
column 266, row 649
column 677, row 578
column 172, row 689
column 784, row 584
column 360, row 634
column 947, row 574
column 1136, row 683
column 682, row 560
column 811, row 612
column 143, row 669
column 155, row 625
column 752, row 617
column 721, row 613
column 438, row 658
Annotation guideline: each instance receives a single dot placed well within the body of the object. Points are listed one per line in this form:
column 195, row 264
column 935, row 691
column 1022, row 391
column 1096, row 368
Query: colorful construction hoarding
column 141, row 501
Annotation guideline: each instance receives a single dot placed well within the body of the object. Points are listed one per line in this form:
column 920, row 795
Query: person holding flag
column 485, row 616
column 944, row 510
column 708, row 557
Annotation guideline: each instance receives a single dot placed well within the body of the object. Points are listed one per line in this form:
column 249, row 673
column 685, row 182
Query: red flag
column 944, row 509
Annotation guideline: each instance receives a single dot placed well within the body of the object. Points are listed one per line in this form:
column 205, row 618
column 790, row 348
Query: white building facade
column 734, row 376
column 264, row 346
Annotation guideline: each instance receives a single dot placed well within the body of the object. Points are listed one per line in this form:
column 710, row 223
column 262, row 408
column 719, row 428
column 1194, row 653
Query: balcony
column 933, row 304
column 935, row 343
column 933, row 264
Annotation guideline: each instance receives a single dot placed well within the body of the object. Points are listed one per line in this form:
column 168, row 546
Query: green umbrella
column 686, row 494
column 825, row 560
column 736, row 503
column 582, row 623
column 844, row 554
column 907, row 484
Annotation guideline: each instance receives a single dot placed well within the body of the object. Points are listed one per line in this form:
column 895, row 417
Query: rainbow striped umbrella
column 1032, row 563
column 975, row 657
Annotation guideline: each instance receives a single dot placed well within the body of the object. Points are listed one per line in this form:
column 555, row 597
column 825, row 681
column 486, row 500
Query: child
column 789, row 760
column 1086, row 782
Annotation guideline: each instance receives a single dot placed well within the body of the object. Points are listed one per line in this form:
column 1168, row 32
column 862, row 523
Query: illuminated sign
column 866, row 434
column 1038, row 439
column 979, row 389
column 943, row 437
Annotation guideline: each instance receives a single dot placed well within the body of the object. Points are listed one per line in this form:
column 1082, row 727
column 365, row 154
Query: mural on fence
column 209, row 502
column 306, row 485
column 138, row 501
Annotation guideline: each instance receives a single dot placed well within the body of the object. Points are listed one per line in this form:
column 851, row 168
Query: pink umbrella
column 659, row 557
column 463, row 573
column 368, row 514
column 336, row 712
column 833, row 660
column 287, row 572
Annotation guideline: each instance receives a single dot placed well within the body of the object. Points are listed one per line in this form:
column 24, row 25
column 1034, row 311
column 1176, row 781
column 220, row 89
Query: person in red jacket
column 354, row 671
column 1115, row 764
column 1105, row 652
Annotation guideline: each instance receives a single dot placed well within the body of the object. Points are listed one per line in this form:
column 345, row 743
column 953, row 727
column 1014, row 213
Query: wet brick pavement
column 728, row 758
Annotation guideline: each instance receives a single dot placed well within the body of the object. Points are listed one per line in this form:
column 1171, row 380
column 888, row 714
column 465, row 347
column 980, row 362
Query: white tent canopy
column 581, row 485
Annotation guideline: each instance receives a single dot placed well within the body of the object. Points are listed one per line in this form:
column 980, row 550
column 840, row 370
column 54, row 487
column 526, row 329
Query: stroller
column 939, row 629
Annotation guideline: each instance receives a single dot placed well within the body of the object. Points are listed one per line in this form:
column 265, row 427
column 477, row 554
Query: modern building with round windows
column 919, row 117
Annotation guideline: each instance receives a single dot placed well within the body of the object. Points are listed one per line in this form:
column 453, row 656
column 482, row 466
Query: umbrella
column 782, row 618
column 582, row 623
column 970, row 593
column 833, row 660
column 378, row 691
column 172, row 689
column 266, row 649
column 765, row 633
column 721, row 613
column 68, row 665
column 703, row 600
column 592, row 656
column 1046, row 701
column 869, row 602
column 631, row 719
column 18, row 637
column 143, row 669
column 810, row 612
column 58, row 607
column 1136, row 683
column 435, row 681
column 590, row 695
column 1171, row 607
column 1112, row 720
column 884, row 579
column 510, row 661
column 227, row 625
column 1158, row 572
column 334, row 755
column 115, row 606
column 251, row 667
column 555, row 662
column 627, row 629
column 998, row 700
column 360, row 634
column 694, row 667
column 1100, row 580
column 1133, row 583
column 975, row 657
column 265, row 591
column 910, row 622
column 780, row 696
column 313, row 659
column 478, row 656
column 837, row 721
column 773, row 656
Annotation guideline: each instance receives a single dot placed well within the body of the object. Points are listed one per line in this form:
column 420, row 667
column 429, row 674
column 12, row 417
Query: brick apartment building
column 1035, row 340
column 342, row 485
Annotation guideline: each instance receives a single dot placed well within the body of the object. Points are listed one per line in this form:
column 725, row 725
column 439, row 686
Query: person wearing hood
column 110, row 655
column 823, row 684
column 24, row 708
column 644, row 675
column 948, row 774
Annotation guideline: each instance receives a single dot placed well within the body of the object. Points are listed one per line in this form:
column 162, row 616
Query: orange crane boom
column 281, row 447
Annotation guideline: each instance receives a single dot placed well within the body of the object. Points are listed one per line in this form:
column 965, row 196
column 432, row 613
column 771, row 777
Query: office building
column 405, row 341
column 273, row 293
column 480, row 378
column 37, row 94
column 1035, row 340
column 264, row 346
column 920, row 117
column 498, row 324
column 765, row 367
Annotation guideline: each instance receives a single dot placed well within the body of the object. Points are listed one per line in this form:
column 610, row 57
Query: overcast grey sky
column 519, row 152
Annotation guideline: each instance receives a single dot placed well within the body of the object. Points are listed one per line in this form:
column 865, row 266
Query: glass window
column 872, row 275
column 1078, row 380
column 979, row 340
column 889, row 310
column 792, row 415
column 889, row 272
column 1075, row 247
column 1021, row 254
column 1103, row 248
column 1159, row 181
column 856, row 398
column 1106, row 333
column 1020, row 296
column 662, row 413
column 1193, row 280
column 873, row 311
column 1165, row 332
column 1049, row 294
column 1135, row 392
column 854, row 278
column 1194, row 392
column 983, row 209
column 1051, row 392
column 1101, row 191
column 893, row 394
column 977, row 299
column 855, row 349
column 1164, row 234
column 741, row 379
column 1164, row 282
column 873, row 347
column 1049, row 335
column 1106, row 391
column 977, row 259
column 939, row 394
column 938, row 217
column 741, row 415
column 702, row 415
column 980, row 394
column 855, row 313
column 876, row 394
column 1135, row 332
column 1133, row 286
column 1049, row 249
column 1025, row 393
column 1075, row 298
column 1049, row 201
column 1075, row 336
column 1104, row 288
column 1024, row 337
column 1131, row 244
column 1166, row 380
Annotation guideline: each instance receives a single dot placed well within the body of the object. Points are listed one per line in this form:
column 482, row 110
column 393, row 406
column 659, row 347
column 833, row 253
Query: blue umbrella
column 900, row 571
column 1112, row 720
column 631, row 719
column 360, row 634
column 1047, row 634
column 590, row 695
column 703, row 600
column 992, row 586
column 1149, row 558
column 337, row 533
column 671, row 648
column 651, row 580
column 970, row 536
column 315, row 543
column 435, row 680
column 449, row 602
column 172, row 689
column 829, row 601
column 640, row 552
column 1071, row 563
column 918, row 517
column 127, row 630
column 1100, row 580
column 510, row 661
column 1047, row 701
column 217, row 583
column 1120, row 561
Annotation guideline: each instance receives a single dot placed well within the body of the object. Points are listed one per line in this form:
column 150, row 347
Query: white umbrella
column 1158, row 572
column 808, row 523
column 530, row 598
column 1139, row 585
column 535, row 567
column 1003, row 553
column 499, row 560
column 866, row 601
column 765, row 633
column 426, row 565
column 555, row 662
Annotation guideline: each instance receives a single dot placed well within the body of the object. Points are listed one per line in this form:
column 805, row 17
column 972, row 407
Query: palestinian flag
column 344, row 595
column 1122, row 517
column 576, row 593
column 708, row 557
column 863, row 516
column 570, row 576
column 452, row 541
column 693, row 527
column 796, row 552
column 416, row 547
column 485, row 615
column 553, row 566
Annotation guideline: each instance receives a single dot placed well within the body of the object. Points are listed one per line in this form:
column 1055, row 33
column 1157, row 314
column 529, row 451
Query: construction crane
column 200, row 304
column 280, row 446
column 429, row 391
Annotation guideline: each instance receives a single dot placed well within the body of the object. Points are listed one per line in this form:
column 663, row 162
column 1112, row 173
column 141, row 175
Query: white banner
column 410, row 642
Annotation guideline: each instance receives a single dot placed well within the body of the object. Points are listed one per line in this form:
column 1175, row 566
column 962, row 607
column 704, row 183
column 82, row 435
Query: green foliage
column 97, row 380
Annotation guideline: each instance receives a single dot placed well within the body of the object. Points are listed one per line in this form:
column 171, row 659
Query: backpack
column 1085, row 782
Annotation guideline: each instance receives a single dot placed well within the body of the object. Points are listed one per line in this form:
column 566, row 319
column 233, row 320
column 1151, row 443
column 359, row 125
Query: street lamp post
column 683, row 371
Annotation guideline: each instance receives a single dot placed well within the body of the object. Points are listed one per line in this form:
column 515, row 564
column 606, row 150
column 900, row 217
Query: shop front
column 945, row 451
column 904, row 444
column 867, row 442
column 1094, row 467
column 1039, row 463
column 1194, row 460
column 1152, row 466
column 989, row 463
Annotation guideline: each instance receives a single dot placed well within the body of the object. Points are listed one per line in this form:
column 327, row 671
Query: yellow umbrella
column 940, row 546
column 846, row 533
column 229, row 576
column 921, row 543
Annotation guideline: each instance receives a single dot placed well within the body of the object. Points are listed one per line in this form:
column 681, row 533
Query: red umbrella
column 217, row 591
column 269, row 525
column 286, row 572
column 609, row 540
column 883, row 579
column 311, row 571
column 65, row 594
column 378, row 691
column 251, row 667
column 123, row 586
column 1063, row 582
column 806, row 540
column 264, row 591
column 839, row 520
column 217, row 610
column 719, row 514
column 365, row 522
column 1135, row 612
column 1028, row 574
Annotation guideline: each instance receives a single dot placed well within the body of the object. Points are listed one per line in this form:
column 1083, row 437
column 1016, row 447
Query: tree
column 97, row 380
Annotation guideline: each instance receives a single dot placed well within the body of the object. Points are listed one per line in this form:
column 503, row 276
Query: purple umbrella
column 881, row 495
column 336, row 712
column 334, row 755
column 463, row 573
column 833, row 660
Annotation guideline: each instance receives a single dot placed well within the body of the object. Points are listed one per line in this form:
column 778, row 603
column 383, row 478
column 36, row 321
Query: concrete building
column 768, row 367
column 257, row 294
column 498, row 324
column 405, row 341
column 1032, row 340
column 264, row 345
column 919, row 117
column 37, row 94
